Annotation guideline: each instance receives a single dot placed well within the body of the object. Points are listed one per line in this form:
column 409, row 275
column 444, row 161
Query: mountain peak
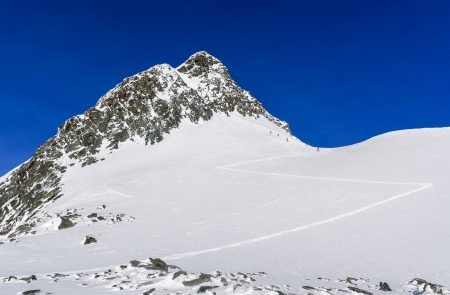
column 202, row 58
column 202, row 63
column 145, row 107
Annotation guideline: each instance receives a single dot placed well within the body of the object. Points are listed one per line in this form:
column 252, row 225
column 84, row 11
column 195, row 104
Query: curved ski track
column 232, row 167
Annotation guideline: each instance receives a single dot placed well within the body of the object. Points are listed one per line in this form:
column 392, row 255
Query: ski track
column 418, row 187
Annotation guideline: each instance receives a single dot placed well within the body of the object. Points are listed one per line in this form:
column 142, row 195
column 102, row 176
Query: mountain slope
column 234, row 192
column 145, row 106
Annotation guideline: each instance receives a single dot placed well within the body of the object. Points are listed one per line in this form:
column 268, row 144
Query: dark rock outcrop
column 203, row 289
column 148, row 292
column 203, row 278
column 360, row 291
column 159, row 264
column 437, row 289
column 383, row 286
column 178, row 273
column 65, row 223
column 89, row 240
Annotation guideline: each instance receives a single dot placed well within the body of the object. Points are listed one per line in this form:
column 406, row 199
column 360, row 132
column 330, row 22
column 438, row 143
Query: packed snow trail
column 228, row 167
column 418, row 187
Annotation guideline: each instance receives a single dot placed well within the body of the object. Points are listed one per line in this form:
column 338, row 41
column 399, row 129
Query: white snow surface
column 239, row 194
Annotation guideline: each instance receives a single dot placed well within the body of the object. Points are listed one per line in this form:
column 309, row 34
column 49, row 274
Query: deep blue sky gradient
column 338, row 71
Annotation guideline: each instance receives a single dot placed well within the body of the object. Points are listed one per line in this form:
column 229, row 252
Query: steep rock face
column 211, row 80
column 147, row 105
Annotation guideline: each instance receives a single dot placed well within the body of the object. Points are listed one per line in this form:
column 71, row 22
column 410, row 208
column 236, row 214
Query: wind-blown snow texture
column 186, row 166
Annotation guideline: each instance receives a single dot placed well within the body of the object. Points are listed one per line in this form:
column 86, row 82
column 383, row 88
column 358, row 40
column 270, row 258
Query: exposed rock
column 58, row 275
column 159, row 264
column 65, row 223
column 435, row 288
column 358, row 290
column 203, row 289
column 179, row 273
column 351, row 280
column 89, row 240
column 31, row 292
column 383, row 286
column 203, row 278
column 23, row 229
column 308, row 288
column 29, row 278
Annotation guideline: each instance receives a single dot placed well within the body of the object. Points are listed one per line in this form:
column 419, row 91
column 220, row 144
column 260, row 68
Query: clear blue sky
column 338, row 71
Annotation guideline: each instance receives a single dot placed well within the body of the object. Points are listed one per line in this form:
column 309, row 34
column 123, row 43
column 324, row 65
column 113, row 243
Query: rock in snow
column 89, row 240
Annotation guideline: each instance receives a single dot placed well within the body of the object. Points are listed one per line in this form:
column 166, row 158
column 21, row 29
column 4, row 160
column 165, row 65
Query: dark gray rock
column 437, row 289
column 358, row 290
column 178, row 273
column 89, row 240
column 159, row 264
column 23, row 229
column 203, row 289
column 65, row 223
column 308, row 288
column 350, row 280
column 203, row 278
column 383, row 286
column 29, row 278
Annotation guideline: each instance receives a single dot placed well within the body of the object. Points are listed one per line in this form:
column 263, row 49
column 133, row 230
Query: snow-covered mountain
column 183, row 165
column 143, row 107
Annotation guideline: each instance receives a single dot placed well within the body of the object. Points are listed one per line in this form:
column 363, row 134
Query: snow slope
column 240, row 194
